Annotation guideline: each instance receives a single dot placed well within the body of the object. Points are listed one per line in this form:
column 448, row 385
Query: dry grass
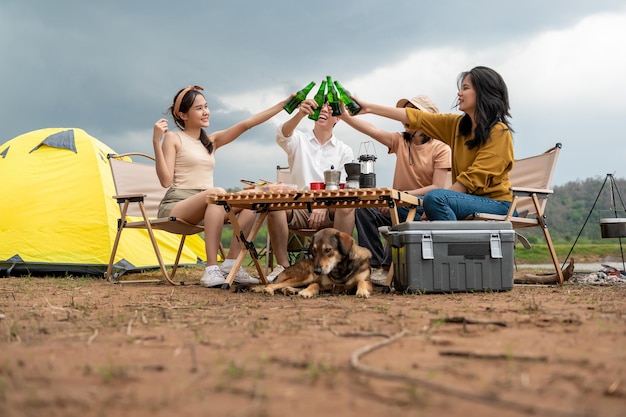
column 84, row 347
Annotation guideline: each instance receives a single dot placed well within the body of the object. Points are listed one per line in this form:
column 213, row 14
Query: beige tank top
column 194, row 165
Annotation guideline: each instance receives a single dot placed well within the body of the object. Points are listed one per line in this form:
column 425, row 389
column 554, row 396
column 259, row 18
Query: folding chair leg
column 156, row 246
column 555, row 260
column 178, row 254
column 120, row 227
column 546, row 234
column 113, row 253
column 118, row 236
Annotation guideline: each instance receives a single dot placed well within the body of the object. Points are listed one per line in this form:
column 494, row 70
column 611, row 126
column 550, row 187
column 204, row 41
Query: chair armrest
column 542, row 192
column 129, row 197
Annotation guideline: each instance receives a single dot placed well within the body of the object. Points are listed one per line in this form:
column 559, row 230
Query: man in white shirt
column 309, row 154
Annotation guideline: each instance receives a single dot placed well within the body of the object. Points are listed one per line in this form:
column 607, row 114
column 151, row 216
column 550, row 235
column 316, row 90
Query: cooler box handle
column 428, row 252
column 495, row 244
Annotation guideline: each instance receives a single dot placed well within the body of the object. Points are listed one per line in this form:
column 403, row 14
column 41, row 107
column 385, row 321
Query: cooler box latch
column 496, row 246
column 427, row 247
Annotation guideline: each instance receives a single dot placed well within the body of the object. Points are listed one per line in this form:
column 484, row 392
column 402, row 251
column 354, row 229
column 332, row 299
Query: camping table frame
column 263, row 202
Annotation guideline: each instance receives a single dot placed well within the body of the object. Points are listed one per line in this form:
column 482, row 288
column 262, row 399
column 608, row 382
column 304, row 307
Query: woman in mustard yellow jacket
column 481, row 141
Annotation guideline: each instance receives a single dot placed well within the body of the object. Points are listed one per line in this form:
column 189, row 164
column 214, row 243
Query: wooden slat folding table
column 262, row 202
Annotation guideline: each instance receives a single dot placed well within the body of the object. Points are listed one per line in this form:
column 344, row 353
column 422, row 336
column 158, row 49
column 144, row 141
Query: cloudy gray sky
column 112, row 67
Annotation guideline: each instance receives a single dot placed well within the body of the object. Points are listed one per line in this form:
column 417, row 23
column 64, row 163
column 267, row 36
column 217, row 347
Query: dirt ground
column 85, row 347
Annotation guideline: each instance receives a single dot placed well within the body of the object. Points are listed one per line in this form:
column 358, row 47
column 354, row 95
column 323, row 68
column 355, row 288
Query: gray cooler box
column 452, row 256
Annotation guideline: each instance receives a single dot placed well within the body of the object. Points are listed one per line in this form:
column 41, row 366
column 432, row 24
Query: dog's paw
column 265, row 289
column 290, row 291
column 268, row 290
column 364, row 289
column 363, row 293
column 307, row 293
column 257, row 288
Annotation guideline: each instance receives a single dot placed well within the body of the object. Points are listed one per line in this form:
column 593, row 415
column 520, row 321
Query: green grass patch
column 583, row 252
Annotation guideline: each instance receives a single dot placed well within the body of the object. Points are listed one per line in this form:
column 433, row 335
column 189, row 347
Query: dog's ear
column 311, row 244
column 344, row 243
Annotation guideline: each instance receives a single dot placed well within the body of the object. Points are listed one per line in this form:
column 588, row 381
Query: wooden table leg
column 253, row 232
column 244, row 250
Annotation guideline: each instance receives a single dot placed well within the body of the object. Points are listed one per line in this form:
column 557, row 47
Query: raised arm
column 306, row 108
column 367, row 128
column 164, row 153
column 224, row 137
column 395, row 113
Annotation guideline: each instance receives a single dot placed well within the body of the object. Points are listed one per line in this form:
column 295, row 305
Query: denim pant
column 442, row 204
column 367, row 221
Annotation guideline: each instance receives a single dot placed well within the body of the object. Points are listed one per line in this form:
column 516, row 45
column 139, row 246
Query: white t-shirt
column 308, row 159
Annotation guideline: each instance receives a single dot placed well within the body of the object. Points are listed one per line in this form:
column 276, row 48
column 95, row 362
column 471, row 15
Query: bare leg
column 213, row 223
column 195, row 209
column 344, row 220
column 278, row 230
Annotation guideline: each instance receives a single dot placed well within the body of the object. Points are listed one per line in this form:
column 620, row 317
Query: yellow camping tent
column 58, row 214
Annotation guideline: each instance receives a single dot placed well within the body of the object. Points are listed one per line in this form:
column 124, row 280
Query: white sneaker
column 242, row 276
column 275, row 273
column 212, row 277
column 379, row 276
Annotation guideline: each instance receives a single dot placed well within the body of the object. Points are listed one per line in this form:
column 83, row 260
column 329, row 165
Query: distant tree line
column 573, row 203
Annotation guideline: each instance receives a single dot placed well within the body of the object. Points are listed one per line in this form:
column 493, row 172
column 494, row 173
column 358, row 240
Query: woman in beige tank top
column 185, row 162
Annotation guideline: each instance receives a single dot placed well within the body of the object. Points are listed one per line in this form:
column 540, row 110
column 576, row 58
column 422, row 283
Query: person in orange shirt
column 422, row 165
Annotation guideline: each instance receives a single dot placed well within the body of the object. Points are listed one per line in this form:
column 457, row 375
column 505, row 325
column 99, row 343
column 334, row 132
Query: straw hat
column 422, row 102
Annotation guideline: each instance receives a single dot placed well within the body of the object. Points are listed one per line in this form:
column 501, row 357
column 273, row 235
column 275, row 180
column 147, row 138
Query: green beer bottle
column 333, row 97
column 319, row 99
column 352, row 106
column 298, row 98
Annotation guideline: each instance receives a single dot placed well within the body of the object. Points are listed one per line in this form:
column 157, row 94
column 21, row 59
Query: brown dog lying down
column 338, row 262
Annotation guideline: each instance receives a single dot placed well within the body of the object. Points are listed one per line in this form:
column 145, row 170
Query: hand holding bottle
column 346, row 98
column 365, row 107
column 319, row 98
column 338, row 97
column 298, row 98
column 308, row 106
column 345, row 114
column 333, row 96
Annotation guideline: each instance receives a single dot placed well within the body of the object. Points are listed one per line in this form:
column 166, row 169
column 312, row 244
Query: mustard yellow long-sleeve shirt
column 484, row 170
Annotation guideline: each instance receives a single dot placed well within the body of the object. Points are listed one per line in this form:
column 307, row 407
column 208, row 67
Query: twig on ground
column 357, row 334
column 129, row 327
column 92, row 337
column 467, row 320
column 614, row 391
column 546, row 279
column 476, row 397
column 194, row 360
column 68, row 311
column 55, row 307
column 492, row 356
